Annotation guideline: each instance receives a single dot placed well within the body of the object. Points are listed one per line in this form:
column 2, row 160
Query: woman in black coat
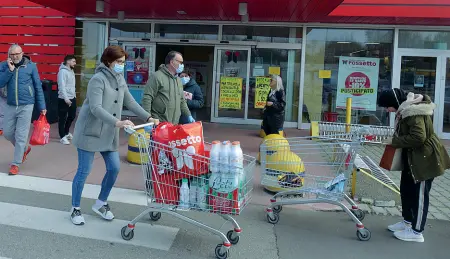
column 193, row 96
column 273, row 118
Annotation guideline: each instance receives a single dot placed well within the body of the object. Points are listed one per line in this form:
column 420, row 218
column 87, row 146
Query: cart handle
column 131, row 130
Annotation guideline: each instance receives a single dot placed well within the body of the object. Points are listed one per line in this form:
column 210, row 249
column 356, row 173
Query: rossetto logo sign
column 358, row 79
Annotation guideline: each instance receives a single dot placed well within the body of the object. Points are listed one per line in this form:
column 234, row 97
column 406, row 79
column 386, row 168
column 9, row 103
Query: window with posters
column 137, row 68
column 328, row 81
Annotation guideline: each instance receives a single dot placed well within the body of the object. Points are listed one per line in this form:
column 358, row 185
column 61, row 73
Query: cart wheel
column 277, row 209
column 273, row 220
column 232, row 240
column 221, row 255
column 155, row 216
column 129, row 236
column 359, row 214
column 363, row 234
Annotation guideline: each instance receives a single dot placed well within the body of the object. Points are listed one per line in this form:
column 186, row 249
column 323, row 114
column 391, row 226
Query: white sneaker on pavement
column 103, row 211
column 76, row 217
column 65, row 141
column 69, row 136
column 400, row 226
column 409, row 235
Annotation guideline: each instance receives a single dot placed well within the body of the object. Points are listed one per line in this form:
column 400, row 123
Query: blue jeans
column 85, row 160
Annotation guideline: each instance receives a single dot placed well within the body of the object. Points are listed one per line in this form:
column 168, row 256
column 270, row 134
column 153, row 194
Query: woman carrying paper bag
column 423, row 157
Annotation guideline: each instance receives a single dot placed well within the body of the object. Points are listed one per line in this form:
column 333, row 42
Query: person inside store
column 97, row 129
column 424, row 158
column 163, row 94
column 273, row 116
column 193, row 95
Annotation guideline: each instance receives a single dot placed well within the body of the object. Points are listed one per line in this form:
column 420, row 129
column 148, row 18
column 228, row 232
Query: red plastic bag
column 41, row 132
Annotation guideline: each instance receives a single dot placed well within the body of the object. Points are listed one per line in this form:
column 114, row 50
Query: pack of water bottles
column 225, row 189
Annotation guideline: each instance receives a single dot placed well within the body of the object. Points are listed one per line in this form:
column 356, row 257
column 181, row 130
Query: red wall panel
column 35, row 27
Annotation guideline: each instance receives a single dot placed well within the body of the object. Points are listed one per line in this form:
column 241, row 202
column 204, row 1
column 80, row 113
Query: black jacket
column 274, row 115
column 197, row 99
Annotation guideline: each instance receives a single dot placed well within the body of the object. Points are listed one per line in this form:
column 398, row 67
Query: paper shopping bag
column 392, row 159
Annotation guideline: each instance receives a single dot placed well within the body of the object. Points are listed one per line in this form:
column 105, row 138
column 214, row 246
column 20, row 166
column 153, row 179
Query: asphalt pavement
column 36, row 225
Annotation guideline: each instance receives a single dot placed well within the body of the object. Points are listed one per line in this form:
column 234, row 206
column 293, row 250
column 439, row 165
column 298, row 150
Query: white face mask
column 185, row 80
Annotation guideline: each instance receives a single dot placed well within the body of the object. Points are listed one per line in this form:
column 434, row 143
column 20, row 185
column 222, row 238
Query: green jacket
column 163, row 97
column 426, row 155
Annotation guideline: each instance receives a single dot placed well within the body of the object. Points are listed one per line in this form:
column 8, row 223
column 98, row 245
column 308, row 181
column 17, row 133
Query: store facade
column 356, row 54
column 306, row 57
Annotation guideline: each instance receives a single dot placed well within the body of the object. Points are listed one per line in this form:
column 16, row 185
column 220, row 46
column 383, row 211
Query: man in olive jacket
column 163, row 95
column 424, row 157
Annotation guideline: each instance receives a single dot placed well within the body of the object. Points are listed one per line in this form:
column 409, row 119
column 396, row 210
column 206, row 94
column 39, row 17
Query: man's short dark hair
column 170, row 56
column 68, row 57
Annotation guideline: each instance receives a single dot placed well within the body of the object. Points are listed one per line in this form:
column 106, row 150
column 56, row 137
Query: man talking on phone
column 24, row 88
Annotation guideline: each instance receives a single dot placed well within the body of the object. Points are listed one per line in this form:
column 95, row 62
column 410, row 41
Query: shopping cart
column 311, row 170
column 163, row 188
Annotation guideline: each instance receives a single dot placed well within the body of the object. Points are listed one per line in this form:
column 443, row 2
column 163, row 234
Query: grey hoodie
column 66, row 83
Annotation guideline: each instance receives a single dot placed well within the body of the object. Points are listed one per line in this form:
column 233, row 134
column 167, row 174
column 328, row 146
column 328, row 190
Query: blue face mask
column 180, row 68
column 119, row 68
column 185, row 80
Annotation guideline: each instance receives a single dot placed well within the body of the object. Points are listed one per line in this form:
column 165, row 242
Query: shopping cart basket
column 164, row 185
column 311, row 170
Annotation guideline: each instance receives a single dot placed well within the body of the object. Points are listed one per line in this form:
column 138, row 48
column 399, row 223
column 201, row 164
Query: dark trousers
column 269, row 128
column 66, row 115
column 415, row 200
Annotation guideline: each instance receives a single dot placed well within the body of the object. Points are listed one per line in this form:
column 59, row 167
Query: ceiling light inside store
column 242, row 9
column 181, row 12
column 343, row 42
column 121, row 15
column 100, row 6
column 372, row 43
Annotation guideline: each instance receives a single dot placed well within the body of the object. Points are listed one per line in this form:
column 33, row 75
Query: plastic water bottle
column 225, row 157
column 193, row 193
column 214, row 156
column 184, row 194
column 202, row 189
column 236, row 158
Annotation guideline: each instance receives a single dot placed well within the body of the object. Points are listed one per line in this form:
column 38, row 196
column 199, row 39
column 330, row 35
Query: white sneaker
column 76, row 217
column 65, row 141
column 103, row 211
column 409, row 235
column 400, row 226
column 69, row 136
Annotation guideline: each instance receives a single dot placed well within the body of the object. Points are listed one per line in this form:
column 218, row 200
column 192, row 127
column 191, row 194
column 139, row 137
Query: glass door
column 231, row 84
column 138, row 66
column 418, row 74
column 444, row 109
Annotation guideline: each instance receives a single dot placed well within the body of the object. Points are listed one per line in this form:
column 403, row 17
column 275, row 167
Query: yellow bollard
column 348, row 117
column 354, row 183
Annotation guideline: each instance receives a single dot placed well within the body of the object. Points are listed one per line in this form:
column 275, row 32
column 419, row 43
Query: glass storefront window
column 362, row 48
column 186, row 31
column 260, row 34
column 424, row 40
column 130, row 30
column 88, row 52
column 267, row 61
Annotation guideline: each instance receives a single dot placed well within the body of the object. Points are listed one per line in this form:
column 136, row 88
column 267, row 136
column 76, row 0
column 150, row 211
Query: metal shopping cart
column 163, row 187
column 311, row 170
